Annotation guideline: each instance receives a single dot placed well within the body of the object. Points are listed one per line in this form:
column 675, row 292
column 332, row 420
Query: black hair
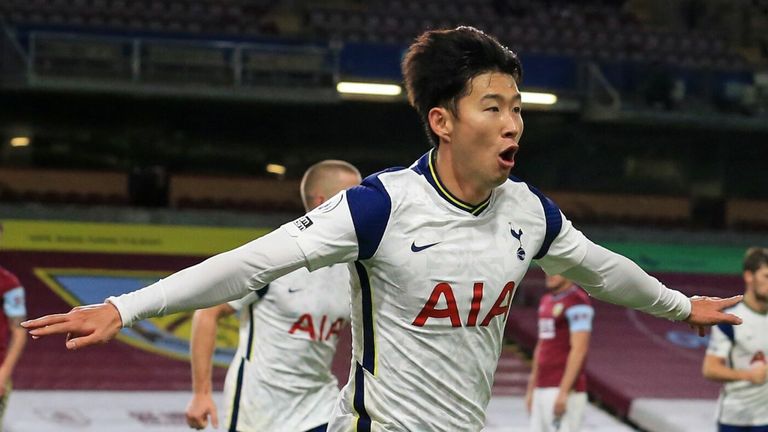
column 439, row 65
column 755, row 258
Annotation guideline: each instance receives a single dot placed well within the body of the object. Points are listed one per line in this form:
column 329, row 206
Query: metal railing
column 13, row 59
column 136, row 63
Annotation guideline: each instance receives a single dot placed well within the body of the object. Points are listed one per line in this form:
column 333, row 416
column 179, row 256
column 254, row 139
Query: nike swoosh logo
column 415, row 248
column 293, row 290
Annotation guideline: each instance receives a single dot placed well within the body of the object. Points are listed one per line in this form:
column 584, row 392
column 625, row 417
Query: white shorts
column 542, row 411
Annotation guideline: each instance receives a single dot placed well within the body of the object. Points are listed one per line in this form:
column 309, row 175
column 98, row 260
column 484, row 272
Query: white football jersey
column 432, row 279
column 741, row 402
column 280, row 378
column 431, row 286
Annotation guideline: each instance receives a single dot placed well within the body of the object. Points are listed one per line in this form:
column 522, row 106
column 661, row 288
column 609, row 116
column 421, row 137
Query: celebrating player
column 435, row 251
column 13, row 312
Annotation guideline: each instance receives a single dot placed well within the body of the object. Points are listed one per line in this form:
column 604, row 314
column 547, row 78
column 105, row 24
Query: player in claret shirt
column 556, row 395
column 12, row 336
column 280, row 378
column 435, row 251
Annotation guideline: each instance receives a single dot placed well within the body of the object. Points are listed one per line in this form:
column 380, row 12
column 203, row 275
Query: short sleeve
column 13, row 303
column 580, row 317
column 720, row 341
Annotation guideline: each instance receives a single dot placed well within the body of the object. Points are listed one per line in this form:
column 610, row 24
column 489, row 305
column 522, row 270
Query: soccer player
column 736, row 355
column 556, row 394
column 436, row 251
column 280, row 378
column 12, row 314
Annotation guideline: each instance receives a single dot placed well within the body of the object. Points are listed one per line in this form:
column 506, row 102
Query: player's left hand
column 708, row 311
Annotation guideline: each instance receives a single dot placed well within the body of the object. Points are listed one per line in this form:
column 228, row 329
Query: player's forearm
column 727, row 375
column 613, row 278
column 15, row 348
column 202, row 345
column 715, row 370
column 573, row 366
column 221, row 278
column 534, row 369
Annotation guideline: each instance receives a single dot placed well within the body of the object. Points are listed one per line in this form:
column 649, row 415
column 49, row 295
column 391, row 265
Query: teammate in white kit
column 736, row 355
column 280, row 378
column 435, row 250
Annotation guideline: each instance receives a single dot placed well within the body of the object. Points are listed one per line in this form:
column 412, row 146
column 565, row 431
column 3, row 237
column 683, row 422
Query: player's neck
column 459, row 183
column 562, row 289
column 752, row 302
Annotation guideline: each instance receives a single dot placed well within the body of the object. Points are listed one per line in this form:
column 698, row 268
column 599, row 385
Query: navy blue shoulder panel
column 552, row 216
column 370, row 206
column 727, row 330
column 422, row 165
column 261, row 292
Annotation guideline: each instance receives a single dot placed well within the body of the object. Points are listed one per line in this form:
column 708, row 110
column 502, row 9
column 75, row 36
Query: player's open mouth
column 507, row 157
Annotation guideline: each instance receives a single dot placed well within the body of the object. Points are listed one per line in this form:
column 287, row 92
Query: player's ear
column 441, row 123
column 749, row 277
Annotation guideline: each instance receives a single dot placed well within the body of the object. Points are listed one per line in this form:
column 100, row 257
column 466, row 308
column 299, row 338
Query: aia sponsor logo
column 444, row 291
column 317, row 329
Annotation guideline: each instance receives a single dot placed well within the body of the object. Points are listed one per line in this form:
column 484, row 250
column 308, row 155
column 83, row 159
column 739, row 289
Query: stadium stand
column 747, row 214
column 260, row 195
column 63, row 186
column 583, row 29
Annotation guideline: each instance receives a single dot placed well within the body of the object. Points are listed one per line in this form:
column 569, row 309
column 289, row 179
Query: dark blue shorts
column 320, row 428
column 729, row 428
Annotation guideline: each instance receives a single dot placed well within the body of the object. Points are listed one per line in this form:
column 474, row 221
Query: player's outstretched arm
column 707, row 311
column 83, row 325
column 614, row 278
column 221, row 278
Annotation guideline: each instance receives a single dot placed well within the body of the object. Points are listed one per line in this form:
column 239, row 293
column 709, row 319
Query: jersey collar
column 563, row 294
column 426, row 166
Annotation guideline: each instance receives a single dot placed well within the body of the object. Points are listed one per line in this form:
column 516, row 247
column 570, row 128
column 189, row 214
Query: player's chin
column 500, row 177
column 504, row 168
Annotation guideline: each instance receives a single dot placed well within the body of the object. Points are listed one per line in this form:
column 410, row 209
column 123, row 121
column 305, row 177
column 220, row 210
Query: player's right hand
column 708, row 311
column 758, row 373
column 83, row 325
column 528, row 401
column 198, row 410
